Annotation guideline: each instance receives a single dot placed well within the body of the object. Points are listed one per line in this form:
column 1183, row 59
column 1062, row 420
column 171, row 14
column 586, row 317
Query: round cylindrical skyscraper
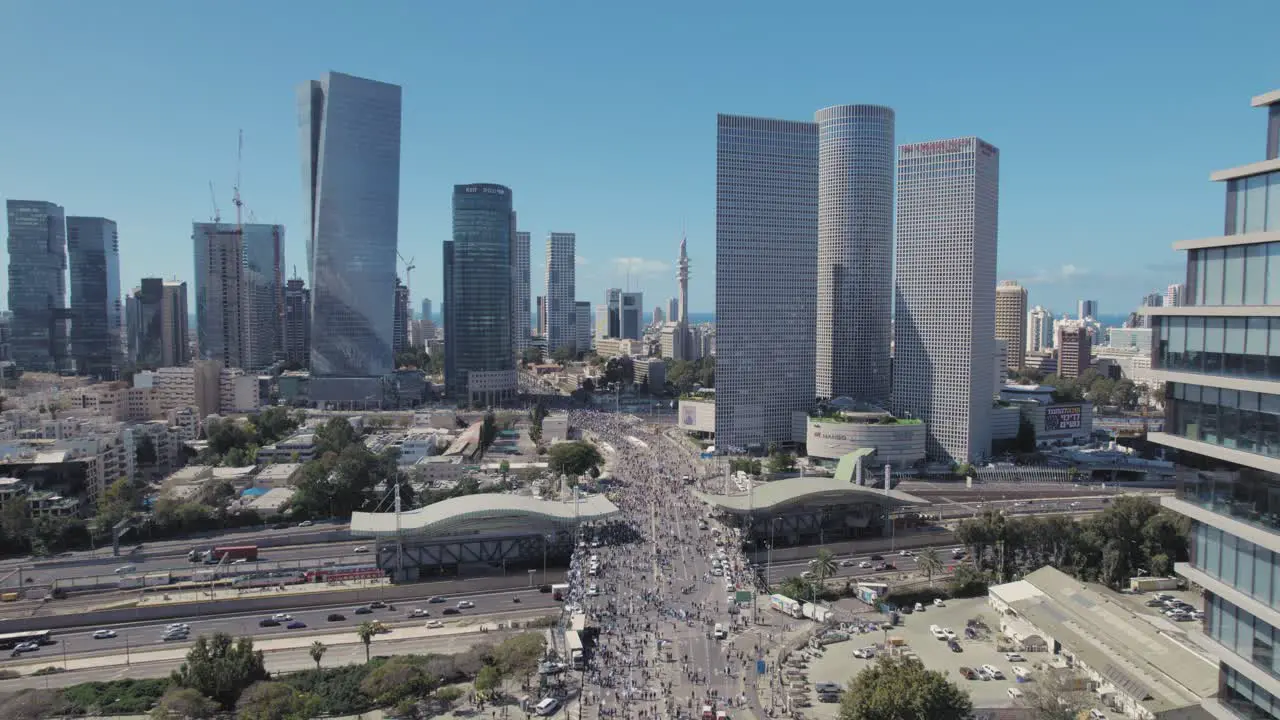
column 855, row 252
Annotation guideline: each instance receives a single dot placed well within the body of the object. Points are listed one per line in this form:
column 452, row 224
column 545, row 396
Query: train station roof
column 485, row 513
column 778, row 494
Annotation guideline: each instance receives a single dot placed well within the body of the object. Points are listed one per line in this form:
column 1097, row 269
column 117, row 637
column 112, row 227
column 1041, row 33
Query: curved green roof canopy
column 485, row 514
column 779, row 494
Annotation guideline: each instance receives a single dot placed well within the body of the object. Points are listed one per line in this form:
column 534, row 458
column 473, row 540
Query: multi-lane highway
column 134, row 637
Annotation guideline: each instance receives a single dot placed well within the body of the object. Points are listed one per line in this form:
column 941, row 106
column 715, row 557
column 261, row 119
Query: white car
column 593, row 590
column 951, row 634
column 177, row 626
column 1014, row 693
column 465, row 604
column 937, row 632
column 807, row 575
column 1014, row 657
column 418, row 612
column 360, row 549
column 27, row 647
column 104, row 634
column 434, row 624
column 847, row 563
column 865, row 565
column 937, row 602
column 305, row 523
column 239, row 561
column 282, row 617
column 865, row 653
column 994, row 672
column 905, row 553
column 717, row 572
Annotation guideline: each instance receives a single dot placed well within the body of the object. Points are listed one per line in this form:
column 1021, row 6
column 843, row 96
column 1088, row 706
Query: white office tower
column 855, row 252
column 562, row 323
column 520, row 313
column 944, row 329
column 766, row 277
column 1039, row 330
column 1174, row 294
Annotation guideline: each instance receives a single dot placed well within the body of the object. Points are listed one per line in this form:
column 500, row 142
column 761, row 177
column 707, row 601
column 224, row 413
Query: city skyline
column 170, row 165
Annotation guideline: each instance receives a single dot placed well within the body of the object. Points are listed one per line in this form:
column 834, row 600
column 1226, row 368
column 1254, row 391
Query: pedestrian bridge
column 794, row 493
column 485, row 514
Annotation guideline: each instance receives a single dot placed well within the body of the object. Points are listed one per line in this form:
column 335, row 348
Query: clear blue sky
column 601, row 117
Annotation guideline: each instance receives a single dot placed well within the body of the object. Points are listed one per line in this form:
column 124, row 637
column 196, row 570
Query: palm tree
column 366, row 631
column 824, row 566
column 317, row 651
column 930, row 563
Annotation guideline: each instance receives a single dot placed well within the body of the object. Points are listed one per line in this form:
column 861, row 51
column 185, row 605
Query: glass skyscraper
column 561, row 297
column 479, row 353
column 520, row 312
column 264, row 290
column 855, row 252
column 37, row 284
column 350, row 132
column 1219, row 355
column 766, row 277
column 93, row 250
column 945, row 293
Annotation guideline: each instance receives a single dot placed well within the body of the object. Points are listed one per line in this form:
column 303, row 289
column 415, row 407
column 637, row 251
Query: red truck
column 229, row 552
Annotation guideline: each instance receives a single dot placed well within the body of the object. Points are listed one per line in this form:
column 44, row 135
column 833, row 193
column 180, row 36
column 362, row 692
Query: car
column 954, row 646
column 363, row 610
column 280, row 526
column 377, row 605
column 434, row 624
column 27, row 647
column 169, row 637
column 239, row 561
column 296, row 625
column 865, row 653
column 865, row 564
column 905, row 553
column 360, row 549
column 847, row 563
column 717, row 572
column 123, row 569
column 436, row 599
column 1021, row 673
column 1014, row 657
column 905, row 610
column 515, row 599
column 544, row 588
column 268, row 622
column 418, row 612
column 968, row 673
column 881, row 567
column 875, row 557
column 1096, row 714
column 336, row 617
column 826, row 697
column 465, row 604
column 450, row 611
column 983, row 674
column 1155, row 603
column 919, row 607
column 808, row 575
column 937, row 632
column 177, row 626
column 104, row 634
column 951, row 634
column 546, row 707
column 593, row 589
column 937, row 602
column 305, row 523
column 1014, row 693
column 994, row 672
column 282, row 617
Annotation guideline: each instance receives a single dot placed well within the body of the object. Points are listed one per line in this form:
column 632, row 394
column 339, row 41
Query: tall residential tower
column 562, row 323
column 350, row 132
column 38, row 284
column 766, row 277
column 97, row 316
column 520, row 313
column 855, row 252
column 1011, row 322
column 945, row 285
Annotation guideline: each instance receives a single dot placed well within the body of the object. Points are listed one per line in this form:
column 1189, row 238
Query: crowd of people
column 663, row 603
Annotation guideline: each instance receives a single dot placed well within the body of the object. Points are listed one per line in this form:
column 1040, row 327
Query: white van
column 720, row 633
column 125, row 569
column 547, row 706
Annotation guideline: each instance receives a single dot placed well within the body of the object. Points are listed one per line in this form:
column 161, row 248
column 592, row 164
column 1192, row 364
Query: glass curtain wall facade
column 1222, row 407
column 220, row 293
column 561, row 298
column 350, row 133
column 855, row 252
column 264, row 289
column 766, row 278
column 93, row 251
column 37, row 247
column 480, row 357
column 520, row 313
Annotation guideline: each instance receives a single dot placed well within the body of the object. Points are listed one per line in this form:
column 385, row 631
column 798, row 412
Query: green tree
column 488, row 431
column 823, row 564
column 573, row 458
column 366, row 630
column 266, row 700
column 504, row 467
column 1055, row 696
column 563, row 355
column 334, row 436
column 180, row 703
column 929, row 563
column 317, row 652
column 780, row 462
column 488, row 680
column 401, row 677
column 520, row 655
column 532, row 356
column 220, row 668
column 901, row 689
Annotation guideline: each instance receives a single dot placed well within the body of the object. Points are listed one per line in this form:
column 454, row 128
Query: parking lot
column 838, row 664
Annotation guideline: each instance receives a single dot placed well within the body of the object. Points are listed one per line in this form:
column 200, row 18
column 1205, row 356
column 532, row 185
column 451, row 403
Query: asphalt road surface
column 147, row 635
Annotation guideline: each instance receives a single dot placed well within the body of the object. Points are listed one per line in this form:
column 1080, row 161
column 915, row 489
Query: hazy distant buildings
column 944, row 322
column 156, row 324
column 220, row 293
column 1039, row 330
column 297, row 321
column 1087, row 309
column 612, row 316
column 561, row 323
column 1175, row 294
column 350, row 130
column 673, row 309
column 1011, row 322
column 766, row 278
column 97, row 317
column 520, row 290
column 37, row 247
column 582, row 317
column 855, row 252
column 400, row 319
column 479, row 363
column 659, row 316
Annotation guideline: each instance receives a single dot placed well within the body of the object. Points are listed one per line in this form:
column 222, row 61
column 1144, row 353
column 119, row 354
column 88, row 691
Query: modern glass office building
column 561, row 300
column 37, row 283
column 520, row 312
column 97, row 315
column 350, row 132
column 479, row 352
column 264, row 289
column 766, row 278
column 1219, row 355
column 945, row 293
column 855, row 252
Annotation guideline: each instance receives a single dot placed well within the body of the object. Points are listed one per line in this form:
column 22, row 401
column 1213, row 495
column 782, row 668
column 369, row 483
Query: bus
column 573, row 649
column 8, row 641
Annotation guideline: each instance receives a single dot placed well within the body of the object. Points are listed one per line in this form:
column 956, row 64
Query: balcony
column 1248, row 499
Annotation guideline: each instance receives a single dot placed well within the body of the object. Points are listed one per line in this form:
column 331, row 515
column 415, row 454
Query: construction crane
column 213, row 197
column 235, row 198
column 408, row 268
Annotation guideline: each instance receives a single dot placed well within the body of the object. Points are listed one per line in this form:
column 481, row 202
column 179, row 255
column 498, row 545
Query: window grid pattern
column 562, row 322
column 1235, row 419
column 1011, row 322
column 766, row 276
column 1247, row 347
column 520, row 313
column 1245, row 698
column 855, row 252
column 37, row 246
column 1245, row 494
column 1249, row 637
column 1249, row 568
column 93, row 250
column 1235, row 275
column 944, row 320
column 1253, row 204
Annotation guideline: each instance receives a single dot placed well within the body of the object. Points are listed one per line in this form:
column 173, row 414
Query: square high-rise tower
column 562, row 323
column 1011, row 322
column 945, row 283
column 766, row 277
column 97, row 315
column 520, row 289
